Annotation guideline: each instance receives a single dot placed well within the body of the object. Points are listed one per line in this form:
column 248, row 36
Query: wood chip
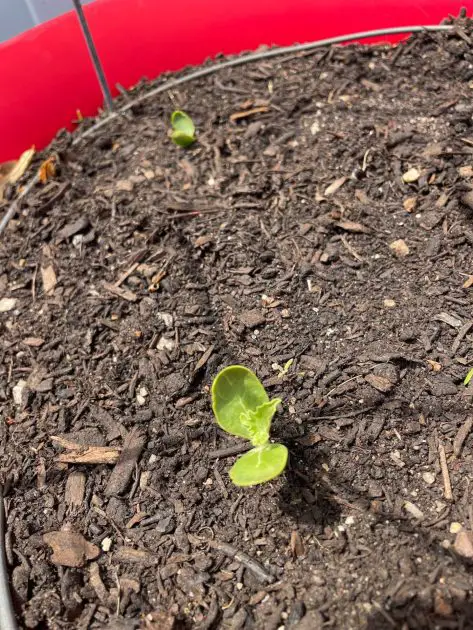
column 463, row 544
column 96, row 582
column 413, row 510
column 461, row 436
column 132, row 448
column 48, row 276
column 33, row 342
column 125, row 294
column 158, row 620
column 446, row 318
column 249, row 112
column 334, row 186
column 7, row 304
column 79, row 225
column 464, row 330
column 399, row 248
column 297, row 546
column 75, row 489
column 410, row 176
column 70, row 549
column 135, row 556
column 351, row 226
column 203, row 359
column 252, row 318
column 81, row 454
column 410, row 204
column 445, row 474
column 381, row 383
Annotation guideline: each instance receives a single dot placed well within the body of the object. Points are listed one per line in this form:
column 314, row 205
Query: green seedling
column 242, row 408
column 468, row 377
column 183, row 129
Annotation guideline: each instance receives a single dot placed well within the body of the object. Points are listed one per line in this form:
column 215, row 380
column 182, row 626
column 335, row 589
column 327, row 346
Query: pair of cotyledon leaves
column 242, row 408
column 183, row 129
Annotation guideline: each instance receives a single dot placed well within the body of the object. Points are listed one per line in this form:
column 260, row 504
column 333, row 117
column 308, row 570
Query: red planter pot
column 46, row 74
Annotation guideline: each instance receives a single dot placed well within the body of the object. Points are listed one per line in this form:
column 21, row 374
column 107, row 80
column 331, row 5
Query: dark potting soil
column 324, row 216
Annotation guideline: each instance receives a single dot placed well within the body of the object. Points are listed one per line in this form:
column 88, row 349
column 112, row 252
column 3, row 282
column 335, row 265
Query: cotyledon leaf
column 259, row 465
column 237, row 391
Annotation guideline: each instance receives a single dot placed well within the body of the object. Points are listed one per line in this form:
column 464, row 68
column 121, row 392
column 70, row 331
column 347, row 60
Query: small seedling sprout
column 468, row 377
column 183, row 129
column 242, row 408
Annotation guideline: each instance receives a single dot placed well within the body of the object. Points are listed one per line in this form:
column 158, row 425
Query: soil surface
column 323, row 216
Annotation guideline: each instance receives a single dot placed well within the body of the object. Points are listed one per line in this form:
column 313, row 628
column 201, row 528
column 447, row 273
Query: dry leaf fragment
column 334, row 186
column 411, row 176
column 400, row 248
column 48, row 276
column 10, row 172
column 70, row 549
column 7, row 304
column 468, row 282
column 47, row 170
column 351, row 226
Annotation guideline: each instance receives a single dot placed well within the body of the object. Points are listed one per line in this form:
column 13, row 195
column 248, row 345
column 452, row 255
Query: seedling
column 183, row 129
column 242, row 408
column 468, row 377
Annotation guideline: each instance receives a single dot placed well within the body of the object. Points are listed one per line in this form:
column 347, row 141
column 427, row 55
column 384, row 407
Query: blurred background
column 17, row 16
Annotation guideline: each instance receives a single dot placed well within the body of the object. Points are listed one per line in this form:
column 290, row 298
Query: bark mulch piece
column 324, row 215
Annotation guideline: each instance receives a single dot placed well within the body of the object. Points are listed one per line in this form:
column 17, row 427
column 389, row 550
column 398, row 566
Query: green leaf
column 258, row 422
column 468, row 377
column 237, row 391
column 259, row 465
column 183, row 133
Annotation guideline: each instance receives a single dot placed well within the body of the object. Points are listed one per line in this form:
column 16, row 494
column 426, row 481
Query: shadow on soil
column 308, row 498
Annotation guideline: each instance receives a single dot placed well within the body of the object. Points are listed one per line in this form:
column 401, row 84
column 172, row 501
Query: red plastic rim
column 46, row 74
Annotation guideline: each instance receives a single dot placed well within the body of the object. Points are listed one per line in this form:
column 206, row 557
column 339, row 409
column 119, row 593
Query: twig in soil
column 461, row 436
column 240, row 556
column 352, row 250
column 445, row 474
column 236, row 449
column 125, row 274
column 7, row 617
column 83, row 454
column 350, row 414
